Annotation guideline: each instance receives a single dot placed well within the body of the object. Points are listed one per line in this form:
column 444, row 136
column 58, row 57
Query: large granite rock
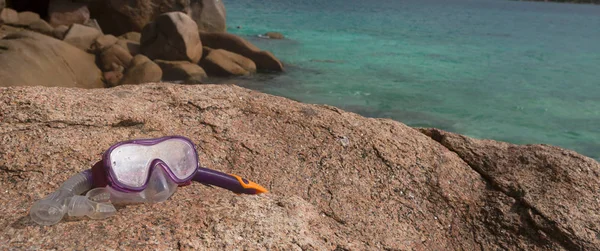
column 337, row 181
column 264, row 60
column 118, row 17
column 29, row 58
column 172, row 36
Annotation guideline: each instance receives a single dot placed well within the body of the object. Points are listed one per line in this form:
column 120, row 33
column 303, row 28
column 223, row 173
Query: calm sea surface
column 522, row 72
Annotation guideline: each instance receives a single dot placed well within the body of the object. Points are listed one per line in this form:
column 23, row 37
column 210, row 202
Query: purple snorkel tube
column 230, row 182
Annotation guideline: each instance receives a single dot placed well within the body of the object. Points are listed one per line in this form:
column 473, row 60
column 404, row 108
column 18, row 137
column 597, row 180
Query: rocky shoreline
column 71, row 49
column 337, row 180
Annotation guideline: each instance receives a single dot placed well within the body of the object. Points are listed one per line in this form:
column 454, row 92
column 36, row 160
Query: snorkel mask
column 135, row 171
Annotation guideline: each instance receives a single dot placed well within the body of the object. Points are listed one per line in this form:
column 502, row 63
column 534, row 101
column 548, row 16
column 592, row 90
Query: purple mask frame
column 156, row 163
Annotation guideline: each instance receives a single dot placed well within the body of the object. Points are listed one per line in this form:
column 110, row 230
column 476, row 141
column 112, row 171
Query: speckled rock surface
column 337, row 180
column 558, row 188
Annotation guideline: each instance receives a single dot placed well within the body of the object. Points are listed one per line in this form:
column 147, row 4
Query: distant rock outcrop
column 210, row 15
column 67, row 12
column 336, row 180
column 119, row 17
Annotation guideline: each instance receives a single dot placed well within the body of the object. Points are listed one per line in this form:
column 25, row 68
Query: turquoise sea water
column 522, row 72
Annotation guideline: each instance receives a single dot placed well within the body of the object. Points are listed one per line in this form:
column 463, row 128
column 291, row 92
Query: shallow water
column 522, row 72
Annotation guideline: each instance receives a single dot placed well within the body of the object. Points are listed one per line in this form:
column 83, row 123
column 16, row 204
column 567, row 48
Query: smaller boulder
column 42, row 26
column 27, row 18
column 112, row 78
column 141, row 70
column 138, row 60
column 205, row 52
column 67, row 12
column 9, row 16
column 92, row 23
column 131, row 46
column 81, row 36
column 7, row 29
column 114, row 58
column 60, row 31
column 180, row 70
column 264, row 60
column 132, row 36
column 224, row 63
column 172, row 36
column 273, row 35
column 103, row 42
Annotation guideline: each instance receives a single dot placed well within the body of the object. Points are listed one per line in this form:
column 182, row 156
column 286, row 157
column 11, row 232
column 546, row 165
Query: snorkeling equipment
column 135, row 171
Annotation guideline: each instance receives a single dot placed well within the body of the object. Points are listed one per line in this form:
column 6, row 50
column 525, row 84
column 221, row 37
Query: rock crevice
column 482, row 164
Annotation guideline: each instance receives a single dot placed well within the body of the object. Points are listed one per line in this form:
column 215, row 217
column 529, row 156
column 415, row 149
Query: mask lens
column 131, row 162
column 180, row 157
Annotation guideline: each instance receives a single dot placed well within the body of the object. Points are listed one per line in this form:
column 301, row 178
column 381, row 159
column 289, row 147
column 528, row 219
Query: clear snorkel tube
column 96, row 204
column 51, row 209
column 160, row 188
